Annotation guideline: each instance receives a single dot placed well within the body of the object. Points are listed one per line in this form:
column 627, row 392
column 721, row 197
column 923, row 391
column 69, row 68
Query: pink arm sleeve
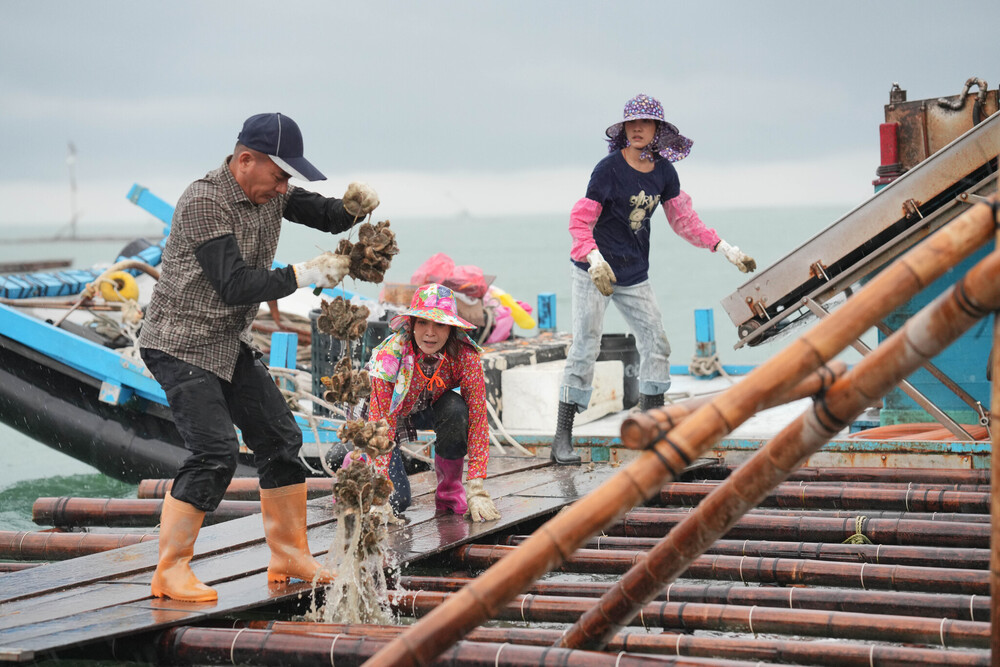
column 685, row 222
column 581, row 227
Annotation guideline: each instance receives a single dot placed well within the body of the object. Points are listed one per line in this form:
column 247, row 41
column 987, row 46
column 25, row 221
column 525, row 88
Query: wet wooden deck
column 104, row 596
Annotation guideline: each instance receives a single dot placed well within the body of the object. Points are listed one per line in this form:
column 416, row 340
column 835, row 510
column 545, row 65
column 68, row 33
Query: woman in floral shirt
column 413, row 372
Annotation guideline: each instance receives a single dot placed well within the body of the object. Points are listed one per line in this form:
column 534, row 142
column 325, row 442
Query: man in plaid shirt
column 195, row 340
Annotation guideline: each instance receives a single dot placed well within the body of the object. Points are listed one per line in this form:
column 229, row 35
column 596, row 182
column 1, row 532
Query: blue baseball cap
column 279, row 137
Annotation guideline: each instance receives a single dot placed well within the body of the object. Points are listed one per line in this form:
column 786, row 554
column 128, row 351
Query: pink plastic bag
column 434, row 270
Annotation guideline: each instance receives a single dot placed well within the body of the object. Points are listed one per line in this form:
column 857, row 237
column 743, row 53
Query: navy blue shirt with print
column 628, row 199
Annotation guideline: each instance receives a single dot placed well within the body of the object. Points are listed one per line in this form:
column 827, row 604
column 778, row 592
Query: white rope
column 871, row 656
column 232, row 647
column 741, row 570
column 750, row 620
column 523, row 600
column 942, row 632
column 972, row 610
column 332, row 644
column 499, row 427
column 707, row 366
column 496, row 660
column 618, row 661
column 863, row 576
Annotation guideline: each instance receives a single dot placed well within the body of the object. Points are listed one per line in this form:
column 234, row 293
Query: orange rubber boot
column 179, row 526
column 284, row 513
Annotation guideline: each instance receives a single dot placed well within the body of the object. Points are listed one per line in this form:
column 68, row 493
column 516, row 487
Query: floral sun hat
column 668, row 142
column 432, row 302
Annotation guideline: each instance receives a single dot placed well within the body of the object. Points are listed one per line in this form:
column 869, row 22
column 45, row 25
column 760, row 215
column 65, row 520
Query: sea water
column 528, row 255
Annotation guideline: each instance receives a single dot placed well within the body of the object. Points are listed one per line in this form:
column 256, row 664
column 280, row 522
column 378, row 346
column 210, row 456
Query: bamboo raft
column 675, row 563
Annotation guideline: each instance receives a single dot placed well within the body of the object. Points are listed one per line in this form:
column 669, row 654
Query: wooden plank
column 65, row 611
column 218, row 538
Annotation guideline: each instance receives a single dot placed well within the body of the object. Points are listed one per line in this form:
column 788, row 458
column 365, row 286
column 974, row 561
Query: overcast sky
column 488, row 107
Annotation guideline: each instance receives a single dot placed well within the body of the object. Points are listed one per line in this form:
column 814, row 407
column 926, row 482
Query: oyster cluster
column 346, row 385
column 372, row 438
column 342, row 319
column 373, row 253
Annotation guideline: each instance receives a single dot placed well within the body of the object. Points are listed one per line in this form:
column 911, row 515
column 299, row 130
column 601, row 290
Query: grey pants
column 637, row 304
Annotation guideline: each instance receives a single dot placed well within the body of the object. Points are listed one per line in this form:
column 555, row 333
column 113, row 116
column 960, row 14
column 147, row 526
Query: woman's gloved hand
column 743, row 261
column 360, row 199
column 481, row 507
column 600, row 273
column 326, row 270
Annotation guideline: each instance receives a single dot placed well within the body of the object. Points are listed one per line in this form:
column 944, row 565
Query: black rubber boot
column 650, row 401
column 562, row 442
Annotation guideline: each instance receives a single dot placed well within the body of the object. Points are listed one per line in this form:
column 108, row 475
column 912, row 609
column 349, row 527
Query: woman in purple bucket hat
column 413, row 372
column 610, row 227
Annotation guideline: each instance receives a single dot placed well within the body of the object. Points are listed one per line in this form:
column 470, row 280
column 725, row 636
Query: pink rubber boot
column 450, row 494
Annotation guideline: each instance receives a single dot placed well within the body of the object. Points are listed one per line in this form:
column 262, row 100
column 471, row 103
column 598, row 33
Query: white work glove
column 743, row 261
column 481, row 507
column 326, row 270
column 360, row 199
column 600, row 273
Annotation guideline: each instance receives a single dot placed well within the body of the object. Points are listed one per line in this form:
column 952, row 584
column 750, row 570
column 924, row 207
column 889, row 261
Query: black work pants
column 449, row 418
column 205, row 408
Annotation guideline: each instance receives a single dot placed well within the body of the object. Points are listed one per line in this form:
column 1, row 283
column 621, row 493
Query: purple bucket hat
column 432, row 302
column 668, row 142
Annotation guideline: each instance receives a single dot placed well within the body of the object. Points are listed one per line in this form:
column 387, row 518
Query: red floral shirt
column 466, row 373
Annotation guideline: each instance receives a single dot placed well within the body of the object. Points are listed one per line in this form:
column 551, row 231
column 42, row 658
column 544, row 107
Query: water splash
column 359, row 554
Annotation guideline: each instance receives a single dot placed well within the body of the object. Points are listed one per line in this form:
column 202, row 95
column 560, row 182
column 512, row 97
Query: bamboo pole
column 46, row 545
column 668, row 456
column 922, row 337
column 240, row 488
column 883, row 486
column 123, row 512
column 671, row 514
column 885, row 554
column 898, row 603
column 201, row 646
column 783, row 571
column 775, row 650
column 647, row 522
column 641, row 428
column 941, row 632
column 807, row 496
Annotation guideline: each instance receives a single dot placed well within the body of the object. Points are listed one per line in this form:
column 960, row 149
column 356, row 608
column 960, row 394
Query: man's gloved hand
column 325, row 270
column 360, row 199
column 743, row 261
column 481, row 507
column 601, row 273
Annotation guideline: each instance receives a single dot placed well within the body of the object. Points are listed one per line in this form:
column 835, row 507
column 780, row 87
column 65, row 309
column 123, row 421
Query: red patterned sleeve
column 378, row 408
column 473, row 389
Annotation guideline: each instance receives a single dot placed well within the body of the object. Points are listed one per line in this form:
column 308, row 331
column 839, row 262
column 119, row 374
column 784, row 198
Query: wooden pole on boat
column 46, row 545
column 316, row 643
column 646, row 522
column 916, row 475
column 123, row 512
column 897, row 603
column 641, row 428
column 240, row 488
column 668, row 457
column 666, row 643
column 806, row 496
column 783, row 571
column 885, row 554
column 947, row 633
column 922, row 337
